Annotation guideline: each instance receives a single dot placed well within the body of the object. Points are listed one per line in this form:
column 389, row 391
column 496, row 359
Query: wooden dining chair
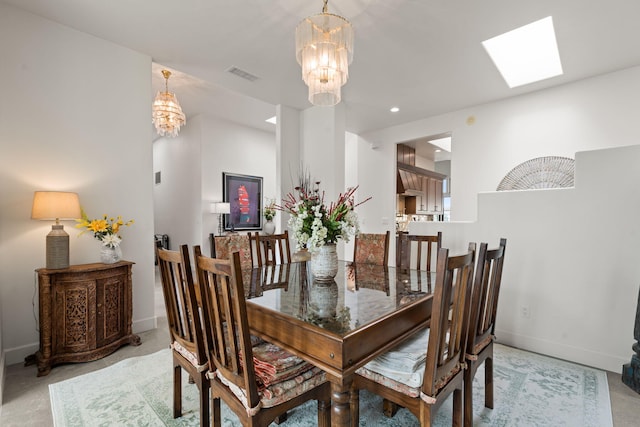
column 258, row 383
column 273, row 249
column 422, row 387
column 254, row 247
column 224, row 246
column 426, row 248
column 185, row 327
column 371, row 248
column 482, row 324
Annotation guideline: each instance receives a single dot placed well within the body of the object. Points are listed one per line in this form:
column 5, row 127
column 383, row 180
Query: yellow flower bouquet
column 104, row 229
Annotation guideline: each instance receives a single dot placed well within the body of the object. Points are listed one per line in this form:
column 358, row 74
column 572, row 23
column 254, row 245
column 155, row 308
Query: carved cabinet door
column 74, row 315
column 110, row 308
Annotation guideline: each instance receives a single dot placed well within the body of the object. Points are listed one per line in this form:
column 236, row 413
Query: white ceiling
column 424, row 56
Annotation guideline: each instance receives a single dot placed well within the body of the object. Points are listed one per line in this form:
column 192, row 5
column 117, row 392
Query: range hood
column 409, row 178
column 408, row 181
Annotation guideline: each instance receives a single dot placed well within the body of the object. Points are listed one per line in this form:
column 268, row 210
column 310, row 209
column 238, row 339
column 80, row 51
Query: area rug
column 530, row 390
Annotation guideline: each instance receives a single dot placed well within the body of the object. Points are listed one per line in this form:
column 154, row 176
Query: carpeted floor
column 530, row 390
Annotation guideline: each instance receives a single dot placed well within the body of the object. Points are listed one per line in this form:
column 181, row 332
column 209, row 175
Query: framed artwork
column 244, row 195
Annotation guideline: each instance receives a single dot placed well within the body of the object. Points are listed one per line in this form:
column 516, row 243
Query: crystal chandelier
column 324, row 49
column 167, row 114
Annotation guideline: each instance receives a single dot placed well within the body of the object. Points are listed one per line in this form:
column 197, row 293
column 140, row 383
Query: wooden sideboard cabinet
column 85, row 313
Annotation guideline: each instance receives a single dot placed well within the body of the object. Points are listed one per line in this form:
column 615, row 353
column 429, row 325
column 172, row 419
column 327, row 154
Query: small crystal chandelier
column 167, row 114
column 324, row 49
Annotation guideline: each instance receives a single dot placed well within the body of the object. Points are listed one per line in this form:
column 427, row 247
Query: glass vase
column 109, row 255
column 324, row 263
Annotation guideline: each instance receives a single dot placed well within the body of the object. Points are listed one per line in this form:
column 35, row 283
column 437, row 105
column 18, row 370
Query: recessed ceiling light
column 394, row 109
column 527, row 54
column 438, row 150
column 272, row 120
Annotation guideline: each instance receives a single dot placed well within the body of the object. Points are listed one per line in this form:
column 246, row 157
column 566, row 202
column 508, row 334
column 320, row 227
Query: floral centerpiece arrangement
column 104, row 229
column 269, row 210
column 313, row 222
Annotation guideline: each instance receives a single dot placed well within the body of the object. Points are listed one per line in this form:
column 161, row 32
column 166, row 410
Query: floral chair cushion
column 226, row 245
column 280, row 391
column 370, row 249
column 190, row 356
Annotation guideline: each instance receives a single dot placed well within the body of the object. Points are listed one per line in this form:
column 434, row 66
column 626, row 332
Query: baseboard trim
column 18, row 354
column 144, row 324
column 583, row 356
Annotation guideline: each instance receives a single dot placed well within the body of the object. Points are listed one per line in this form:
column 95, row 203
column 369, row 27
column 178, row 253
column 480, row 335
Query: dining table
column 341, row 324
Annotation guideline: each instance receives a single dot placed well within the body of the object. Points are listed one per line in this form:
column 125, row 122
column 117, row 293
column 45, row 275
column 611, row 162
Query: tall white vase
column 324, row 263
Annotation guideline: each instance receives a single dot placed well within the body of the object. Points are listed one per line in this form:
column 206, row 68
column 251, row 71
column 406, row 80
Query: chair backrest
column 426, row 248
column 224, row 246
column 254, row 247
column 371, row 248
column 273, row 249
column 449, row 320
column 227, row 333
column 183, row 316
column 484, row 299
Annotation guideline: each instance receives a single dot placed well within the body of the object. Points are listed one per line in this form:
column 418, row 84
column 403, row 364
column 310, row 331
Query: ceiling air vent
column 242, row 74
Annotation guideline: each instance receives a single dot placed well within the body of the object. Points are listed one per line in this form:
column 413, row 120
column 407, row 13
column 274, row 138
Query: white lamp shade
column 220, row 207
column 51, row 205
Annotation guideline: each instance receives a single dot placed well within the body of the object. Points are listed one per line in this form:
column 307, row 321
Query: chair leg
column 389, row 408
column 488, row 382
column 324, row 413
column 177, row 391
column 457, row 407
column 204, row 404
column 426, row 415
column 354, row 406
column 468, row 394
column 281, row 418
column 216, row 418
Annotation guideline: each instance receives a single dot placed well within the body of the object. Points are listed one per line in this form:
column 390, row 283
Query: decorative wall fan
column 541, row 172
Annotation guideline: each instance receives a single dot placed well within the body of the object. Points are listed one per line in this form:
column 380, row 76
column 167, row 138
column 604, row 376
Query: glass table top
column 359, row 294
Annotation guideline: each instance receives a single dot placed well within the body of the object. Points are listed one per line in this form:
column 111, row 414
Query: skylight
column 527, row 54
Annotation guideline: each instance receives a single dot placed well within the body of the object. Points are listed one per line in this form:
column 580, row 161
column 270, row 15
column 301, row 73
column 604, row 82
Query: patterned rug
column 530, row 390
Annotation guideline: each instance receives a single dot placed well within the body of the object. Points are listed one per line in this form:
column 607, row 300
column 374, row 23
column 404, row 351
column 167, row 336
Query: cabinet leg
column 30, row 360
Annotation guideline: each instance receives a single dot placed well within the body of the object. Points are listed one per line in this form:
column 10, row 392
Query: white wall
column 378, row 180
column 74, row 116
column 192, row 165
column 177, row 198
column 571, row 260
column 233, row 148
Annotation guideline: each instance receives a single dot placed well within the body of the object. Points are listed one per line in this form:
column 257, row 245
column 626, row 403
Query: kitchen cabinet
column 434, row 196
column 85, row 313
column 428, row 201
column 422, row 199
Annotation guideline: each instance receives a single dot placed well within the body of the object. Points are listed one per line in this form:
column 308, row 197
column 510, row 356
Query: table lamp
column 56, row 205
column 220, row 208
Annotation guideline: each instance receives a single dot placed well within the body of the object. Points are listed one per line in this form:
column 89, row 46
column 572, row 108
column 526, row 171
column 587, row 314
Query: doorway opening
column 423, row 189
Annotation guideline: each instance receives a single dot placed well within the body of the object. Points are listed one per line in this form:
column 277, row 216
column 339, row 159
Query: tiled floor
column 26, row 396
